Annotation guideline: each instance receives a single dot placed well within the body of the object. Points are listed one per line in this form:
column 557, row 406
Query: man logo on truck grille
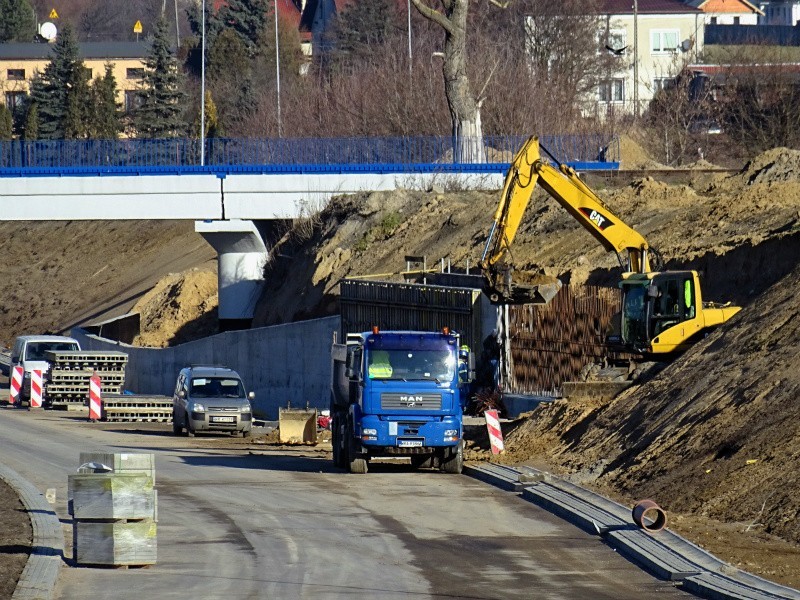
column 411, row 400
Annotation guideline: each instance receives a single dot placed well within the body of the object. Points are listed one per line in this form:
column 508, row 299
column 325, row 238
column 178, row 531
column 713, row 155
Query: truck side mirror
column 182, row 394
column 471, row 364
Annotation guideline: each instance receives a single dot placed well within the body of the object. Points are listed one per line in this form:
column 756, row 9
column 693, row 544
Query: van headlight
column 245, row 408
column 197, row 407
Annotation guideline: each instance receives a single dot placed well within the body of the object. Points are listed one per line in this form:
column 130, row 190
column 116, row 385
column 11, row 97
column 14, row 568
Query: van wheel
column 189, row 431
column 176, row 429
column 246, row 433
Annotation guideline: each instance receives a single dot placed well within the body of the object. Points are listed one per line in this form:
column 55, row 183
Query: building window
column 134, row 73
column 15, row 74
column 132, row 100
column 616, row 41
column 612, row 90
column 737, row 21
column 713, row 21
column 662, row 83
column 15, row 102
column 664, row 41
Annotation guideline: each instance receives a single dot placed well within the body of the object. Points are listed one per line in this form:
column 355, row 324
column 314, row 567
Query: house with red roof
column 728, row 12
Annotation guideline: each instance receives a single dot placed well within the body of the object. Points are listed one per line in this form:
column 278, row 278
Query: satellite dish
column 48, row 31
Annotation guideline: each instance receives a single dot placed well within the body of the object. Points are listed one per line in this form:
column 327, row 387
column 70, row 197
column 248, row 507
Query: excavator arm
column 564, row 185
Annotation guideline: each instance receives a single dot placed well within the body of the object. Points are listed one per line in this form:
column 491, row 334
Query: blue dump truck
column 398, row 394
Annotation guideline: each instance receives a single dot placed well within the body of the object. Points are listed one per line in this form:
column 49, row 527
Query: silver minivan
column 210, row 398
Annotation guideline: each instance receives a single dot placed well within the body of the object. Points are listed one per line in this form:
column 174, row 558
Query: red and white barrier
column 95, row 398
column 16, row 384
column 37, row 385
column 495, row 433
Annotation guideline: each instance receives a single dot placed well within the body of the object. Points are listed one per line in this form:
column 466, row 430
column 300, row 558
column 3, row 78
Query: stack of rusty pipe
column 550, row 344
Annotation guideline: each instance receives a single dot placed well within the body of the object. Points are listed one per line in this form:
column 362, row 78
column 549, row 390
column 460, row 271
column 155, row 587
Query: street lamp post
column 203, row 88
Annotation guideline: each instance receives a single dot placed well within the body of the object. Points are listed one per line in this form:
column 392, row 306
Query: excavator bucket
column 524, row 288
column 297, row 426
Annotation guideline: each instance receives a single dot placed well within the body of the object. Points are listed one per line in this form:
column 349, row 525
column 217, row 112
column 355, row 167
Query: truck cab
column 30, row 352
column 398, row 393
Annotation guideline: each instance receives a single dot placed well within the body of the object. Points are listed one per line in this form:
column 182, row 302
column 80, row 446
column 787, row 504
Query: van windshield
column 216, row 387
column 38, row 350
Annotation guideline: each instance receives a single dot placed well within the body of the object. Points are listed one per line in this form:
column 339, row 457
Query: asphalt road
column 238, row 523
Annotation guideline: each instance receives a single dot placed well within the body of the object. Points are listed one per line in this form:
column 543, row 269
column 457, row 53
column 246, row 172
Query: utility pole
column 636, row 58
column 278, row 71
column 409, row 37
column 203, row 90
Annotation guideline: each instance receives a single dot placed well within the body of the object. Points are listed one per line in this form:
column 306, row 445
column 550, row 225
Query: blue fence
column 309, row 155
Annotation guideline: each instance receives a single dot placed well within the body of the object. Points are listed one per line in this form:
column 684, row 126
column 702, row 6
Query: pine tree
column 6, row 123
column 79, row 106
column 161, row 112
column 106, row 119
column 60, row 89
column 246, row 17
column 17, row 22
column 31, row 130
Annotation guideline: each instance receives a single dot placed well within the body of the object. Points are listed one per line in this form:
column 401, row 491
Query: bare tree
column 464, row 106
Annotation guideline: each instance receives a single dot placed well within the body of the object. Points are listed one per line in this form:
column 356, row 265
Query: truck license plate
column 223, row 419
column 409, row 443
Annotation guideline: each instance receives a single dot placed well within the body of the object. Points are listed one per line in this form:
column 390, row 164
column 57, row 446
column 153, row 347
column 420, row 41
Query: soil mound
column 181, row 307
column 634, row 157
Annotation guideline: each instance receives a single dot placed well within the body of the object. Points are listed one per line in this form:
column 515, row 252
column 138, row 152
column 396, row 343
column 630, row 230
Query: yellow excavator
column 663, row 312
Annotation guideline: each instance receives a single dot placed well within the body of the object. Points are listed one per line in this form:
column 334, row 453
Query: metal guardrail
column 300, row 155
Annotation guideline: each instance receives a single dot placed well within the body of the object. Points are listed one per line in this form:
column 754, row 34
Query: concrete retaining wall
column 282, row 364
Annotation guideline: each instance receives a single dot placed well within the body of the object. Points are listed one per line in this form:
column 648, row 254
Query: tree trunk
column 464, row 109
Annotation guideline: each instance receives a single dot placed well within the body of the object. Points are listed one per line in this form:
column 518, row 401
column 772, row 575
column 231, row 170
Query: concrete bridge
column 244, row 183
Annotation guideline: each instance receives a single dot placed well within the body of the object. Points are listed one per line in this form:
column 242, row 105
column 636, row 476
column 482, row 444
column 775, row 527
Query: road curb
column 38, row 579
column 664, row 554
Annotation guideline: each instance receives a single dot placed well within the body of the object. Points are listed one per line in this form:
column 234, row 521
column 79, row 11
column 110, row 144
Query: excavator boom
column 563, row 184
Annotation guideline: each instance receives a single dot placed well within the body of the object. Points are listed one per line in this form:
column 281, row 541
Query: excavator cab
column 659, row 311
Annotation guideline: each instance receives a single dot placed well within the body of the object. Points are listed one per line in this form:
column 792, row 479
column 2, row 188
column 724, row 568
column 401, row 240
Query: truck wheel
column 176, row 429
column 356, row 461
column 454, row 460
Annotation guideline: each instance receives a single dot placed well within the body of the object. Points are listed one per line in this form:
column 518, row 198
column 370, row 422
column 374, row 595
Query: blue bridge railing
column 305, row 155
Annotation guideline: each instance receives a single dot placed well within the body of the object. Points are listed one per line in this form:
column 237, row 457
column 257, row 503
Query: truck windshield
column 216, row 387
column 37, row 350
column 406, row 365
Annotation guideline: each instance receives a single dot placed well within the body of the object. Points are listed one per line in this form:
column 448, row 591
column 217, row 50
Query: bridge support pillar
column 242, row 255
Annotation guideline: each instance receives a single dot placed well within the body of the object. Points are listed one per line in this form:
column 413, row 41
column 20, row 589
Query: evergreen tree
column 106, row 120
column 17, row 23
column 6, row 123
column 31, row 129
column 61, row 89
column 79, row 106
column 160, row 112
column 246, row 17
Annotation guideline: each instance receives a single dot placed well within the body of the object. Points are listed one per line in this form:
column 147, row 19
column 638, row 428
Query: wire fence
column 278, row 155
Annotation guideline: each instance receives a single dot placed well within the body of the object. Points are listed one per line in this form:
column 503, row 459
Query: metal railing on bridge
column 423, row 154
